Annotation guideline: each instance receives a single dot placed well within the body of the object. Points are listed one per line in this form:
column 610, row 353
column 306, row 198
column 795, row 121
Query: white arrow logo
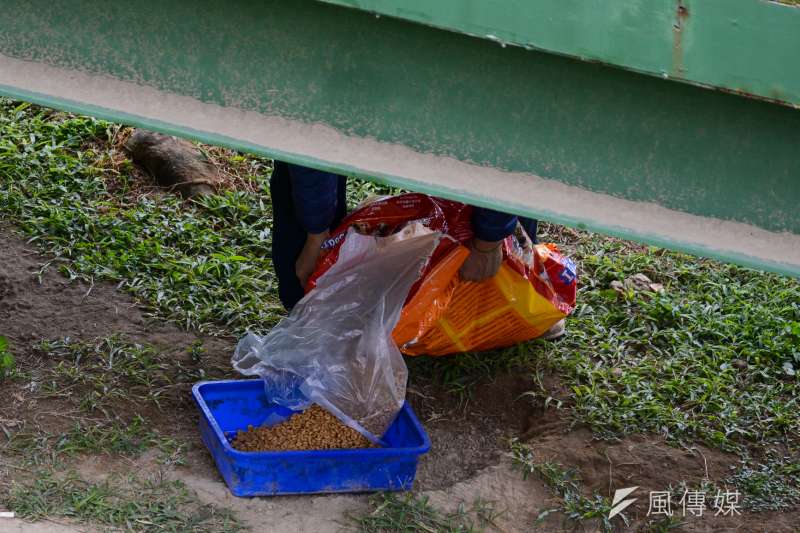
column 618, row 504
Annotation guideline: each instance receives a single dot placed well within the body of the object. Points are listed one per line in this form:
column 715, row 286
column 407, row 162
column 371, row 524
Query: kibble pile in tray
column 313, row 429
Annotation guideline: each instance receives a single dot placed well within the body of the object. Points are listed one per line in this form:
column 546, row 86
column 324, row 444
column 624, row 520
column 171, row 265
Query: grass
column 114, row 376
column 772, row 485
column 112, row 387
column 94, row 437
column 111, row 392
column 7, row 362
column 410, row 513
column 713, row 358
column 105, row 384
column 130, row 504
column 564, row 483
column 203, row 264
column 460, row 374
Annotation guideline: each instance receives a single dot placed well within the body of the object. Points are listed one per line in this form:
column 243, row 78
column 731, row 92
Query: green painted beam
column 430, row 110
column 749, row 47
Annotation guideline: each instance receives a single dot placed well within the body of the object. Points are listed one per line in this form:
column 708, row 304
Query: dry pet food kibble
column 313, row 429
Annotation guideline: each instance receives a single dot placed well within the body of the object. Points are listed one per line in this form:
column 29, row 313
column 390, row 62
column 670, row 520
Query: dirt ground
column 468, row 460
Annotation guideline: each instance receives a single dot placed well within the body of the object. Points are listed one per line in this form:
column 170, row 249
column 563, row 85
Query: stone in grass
column 174, row 163
column 636, row 283
column 618, row 286
column 740, row 364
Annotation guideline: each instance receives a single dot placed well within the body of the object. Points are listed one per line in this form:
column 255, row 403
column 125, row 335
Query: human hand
column 483, row 261
column 307, row 260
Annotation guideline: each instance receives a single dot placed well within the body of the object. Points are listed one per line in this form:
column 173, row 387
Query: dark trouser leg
column 530, row 226
column 341, row 202
column 288, row 236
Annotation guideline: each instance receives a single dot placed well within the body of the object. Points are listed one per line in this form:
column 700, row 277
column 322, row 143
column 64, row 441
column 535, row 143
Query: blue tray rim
column 318, row 454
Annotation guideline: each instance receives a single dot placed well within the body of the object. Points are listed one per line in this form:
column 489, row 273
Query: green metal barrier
column 469, row 118
column 744, row 46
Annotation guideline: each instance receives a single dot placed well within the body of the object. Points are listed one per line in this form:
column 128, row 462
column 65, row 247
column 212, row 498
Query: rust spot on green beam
column 681, row 19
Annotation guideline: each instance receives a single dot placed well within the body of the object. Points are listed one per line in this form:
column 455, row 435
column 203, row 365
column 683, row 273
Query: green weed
column 110, row 381
column 7, row 364
column 360, row 190
column 95, row 437
column 566, row 484
column 407, row 512
column 203, row 264
column 669, row 363
column 109, row 374
column 773, row 485
column 132, row 504
column 707, row 359
column 713, row 358
column 459, row 374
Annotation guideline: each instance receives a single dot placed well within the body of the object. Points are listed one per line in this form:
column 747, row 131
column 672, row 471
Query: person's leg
column 341, row 202
column 530, row 225
column 288, row 237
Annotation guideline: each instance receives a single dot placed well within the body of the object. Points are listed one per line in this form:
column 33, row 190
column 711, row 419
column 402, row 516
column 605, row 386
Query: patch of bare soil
column 37, row 306
column 651, row 464
column 31, row 310
column 34, row 307
column 470, row 437
column 515, row 502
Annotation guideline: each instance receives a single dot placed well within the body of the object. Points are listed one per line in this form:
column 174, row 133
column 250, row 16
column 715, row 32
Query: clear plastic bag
column 335, row 349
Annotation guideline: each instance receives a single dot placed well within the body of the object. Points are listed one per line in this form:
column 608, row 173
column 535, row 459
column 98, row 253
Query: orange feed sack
column 534, row 288
column 449, row 315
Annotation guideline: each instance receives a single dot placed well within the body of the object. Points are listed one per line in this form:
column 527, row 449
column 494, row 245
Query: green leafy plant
column 565, row 483
column 413, row 513
column 121, row 504
column 6, row 359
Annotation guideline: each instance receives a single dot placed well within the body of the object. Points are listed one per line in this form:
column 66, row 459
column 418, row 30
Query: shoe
column 559, row 329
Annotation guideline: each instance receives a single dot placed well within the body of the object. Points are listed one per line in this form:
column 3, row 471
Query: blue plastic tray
column 228, row 406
